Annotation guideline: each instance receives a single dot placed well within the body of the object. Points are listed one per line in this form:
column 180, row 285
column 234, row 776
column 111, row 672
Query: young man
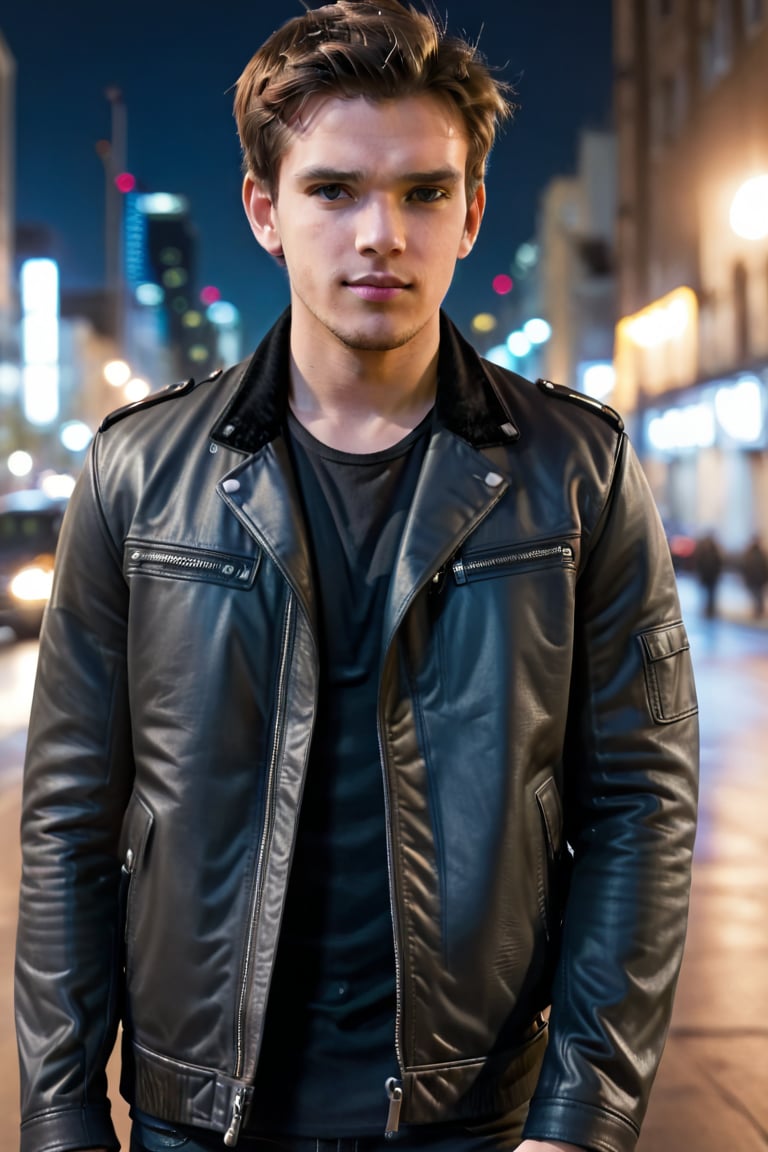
column 365, row 727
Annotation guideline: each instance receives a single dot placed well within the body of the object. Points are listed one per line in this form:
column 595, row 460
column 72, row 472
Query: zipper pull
column 395, row 1093
column 437, row 581
column 459, row 572
column 232, row 1133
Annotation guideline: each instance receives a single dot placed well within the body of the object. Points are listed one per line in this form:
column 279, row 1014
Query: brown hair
column 378, row 49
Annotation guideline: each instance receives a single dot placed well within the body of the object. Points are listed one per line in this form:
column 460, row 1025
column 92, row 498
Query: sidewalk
column 710, row 1093
column 734, row 604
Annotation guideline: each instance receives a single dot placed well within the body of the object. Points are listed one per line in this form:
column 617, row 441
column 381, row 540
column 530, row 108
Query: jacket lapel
column 457, row 488
column 262, row 494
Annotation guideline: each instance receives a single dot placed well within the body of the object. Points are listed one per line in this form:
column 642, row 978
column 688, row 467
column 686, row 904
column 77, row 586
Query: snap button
column 228, row 429
column 493, row 479
column 231, row 485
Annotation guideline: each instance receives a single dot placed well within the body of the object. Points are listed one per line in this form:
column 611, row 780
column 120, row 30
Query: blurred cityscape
column 645, row 284
column 67, row 357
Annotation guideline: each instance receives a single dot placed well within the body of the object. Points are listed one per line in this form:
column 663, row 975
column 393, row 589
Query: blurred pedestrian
column 708, row 565
column 754, row 569
column 361, row 774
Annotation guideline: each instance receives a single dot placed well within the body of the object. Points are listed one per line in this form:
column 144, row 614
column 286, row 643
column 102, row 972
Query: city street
column 710, row 1094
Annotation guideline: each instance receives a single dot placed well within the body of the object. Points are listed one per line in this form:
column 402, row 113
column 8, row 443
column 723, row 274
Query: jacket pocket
column 551, row 813
column 668, row 673
column 499, row 562
column 184, row 562
column 134, row 839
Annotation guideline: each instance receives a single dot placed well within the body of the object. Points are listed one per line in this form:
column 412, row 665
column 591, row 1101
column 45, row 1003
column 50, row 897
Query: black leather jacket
column 538, row 737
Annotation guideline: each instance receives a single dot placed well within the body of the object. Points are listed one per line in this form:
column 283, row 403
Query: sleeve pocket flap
column 665, row 641
column 668, row 673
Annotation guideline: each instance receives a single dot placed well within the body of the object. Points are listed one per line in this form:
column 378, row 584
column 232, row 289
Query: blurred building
column 8, row 355
column 691, row 348
column 577, row 287
column 557, row 319
column 170, row 328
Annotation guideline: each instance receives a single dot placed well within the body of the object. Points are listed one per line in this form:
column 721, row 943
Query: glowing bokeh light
column 20, row 463
column 739, row 410
column 502, row 284
column 136, row 389
column 117, row 373
column 537, row 330
column 749, row 209
column 125, row 182
column 518, row 344
column 223, row 314
column 150, row 295
column 75, row 435
column 500, row 355
column 484, row 322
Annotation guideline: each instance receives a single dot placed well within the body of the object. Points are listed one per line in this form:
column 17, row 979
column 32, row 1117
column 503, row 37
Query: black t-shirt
column 329, row 1037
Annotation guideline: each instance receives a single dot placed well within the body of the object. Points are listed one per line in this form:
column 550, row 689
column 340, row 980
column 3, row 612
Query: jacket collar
column 469, row 402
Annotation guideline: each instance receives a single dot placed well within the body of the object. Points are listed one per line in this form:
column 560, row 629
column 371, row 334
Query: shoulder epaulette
column 588, row 402
column 183, row 388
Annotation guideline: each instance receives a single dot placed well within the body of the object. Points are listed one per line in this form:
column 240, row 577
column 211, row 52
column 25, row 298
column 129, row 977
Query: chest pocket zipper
column 482, row 566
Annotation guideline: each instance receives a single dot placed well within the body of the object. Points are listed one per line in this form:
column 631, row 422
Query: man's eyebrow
column 322, row 175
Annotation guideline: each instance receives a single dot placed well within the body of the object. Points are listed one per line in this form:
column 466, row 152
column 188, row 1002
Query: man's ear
column 472, row 223
column 260, row 209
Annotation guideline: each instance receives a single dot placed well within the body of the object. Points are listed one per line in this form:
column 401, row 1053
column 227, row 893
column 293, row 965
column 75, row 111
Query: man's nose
column 380, row 227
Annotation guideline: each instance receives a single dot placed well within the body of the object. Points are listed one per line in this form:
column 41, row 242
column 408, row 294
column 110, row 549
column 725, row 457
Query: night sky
column 176, row 63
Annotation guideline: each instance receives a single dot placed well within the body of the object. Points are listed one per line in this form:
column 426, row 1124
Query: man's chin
column 381, row 340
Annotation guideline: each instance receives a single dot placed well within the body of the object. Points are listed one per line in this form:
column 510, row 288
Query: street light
column 749, row 209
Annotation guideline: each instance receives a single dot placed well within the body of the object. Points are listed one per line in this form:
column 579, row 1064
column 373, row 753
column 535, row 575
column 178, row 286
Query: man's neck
column 360, row 401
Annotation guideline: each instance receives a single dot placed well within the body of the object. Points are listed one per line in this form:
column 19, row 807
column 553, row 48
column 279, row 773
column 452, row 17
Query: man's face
column 370, row 216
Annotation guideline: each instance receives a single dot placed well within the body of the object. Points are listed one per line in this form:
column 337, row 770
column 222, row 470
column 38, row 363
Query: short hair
column 378, row 49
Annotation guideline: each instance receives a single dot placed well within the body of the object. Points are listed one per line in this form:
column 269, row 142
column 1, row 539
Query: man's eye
column 329, row 192
column 428, row 195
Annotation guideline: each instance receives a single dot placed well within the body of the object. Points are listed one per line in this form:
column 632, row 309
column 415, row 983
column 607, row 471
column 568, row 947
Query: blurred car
column 29, row 530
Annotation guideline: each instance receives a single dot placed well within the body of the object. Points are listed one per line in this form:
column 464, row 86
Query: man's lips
column 377, row 288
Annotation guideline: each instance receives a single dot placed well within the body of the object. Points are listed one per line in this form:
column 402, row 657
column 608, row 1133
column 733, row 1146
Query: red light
column 209, row 294
column 125, row 182
column 502, row 284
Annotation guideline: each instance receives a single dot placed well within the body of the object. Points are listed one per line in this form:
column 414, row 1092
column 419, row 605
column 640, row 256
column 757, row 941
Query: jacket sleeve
column 630, row 772
column 77, row 777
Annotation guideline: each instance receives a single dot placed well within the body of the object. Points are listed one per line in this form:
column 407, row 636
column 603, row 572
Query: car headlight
column 32, row 585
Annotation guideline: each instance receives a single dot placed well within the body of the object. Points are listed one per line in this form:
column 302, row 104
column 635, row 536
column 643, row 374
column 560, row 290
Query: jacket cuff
column 577, row 1123
column 62, row 1131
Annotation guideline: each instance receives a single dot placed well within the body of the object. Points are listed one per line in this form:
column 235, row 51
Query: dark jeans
column 500, row 1134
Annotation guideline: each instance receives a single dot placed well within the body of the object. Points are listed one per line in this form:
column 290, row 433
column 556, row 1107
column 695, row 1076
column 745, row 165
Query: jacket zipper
column 233, row 1131
column 395, row 1092
column 393, row 1086
column 463, row 570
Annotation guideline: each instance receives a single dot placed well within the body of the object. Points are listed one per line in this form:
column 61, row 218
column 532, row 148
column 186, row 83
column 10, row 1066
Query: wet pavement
column 711, row 1093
